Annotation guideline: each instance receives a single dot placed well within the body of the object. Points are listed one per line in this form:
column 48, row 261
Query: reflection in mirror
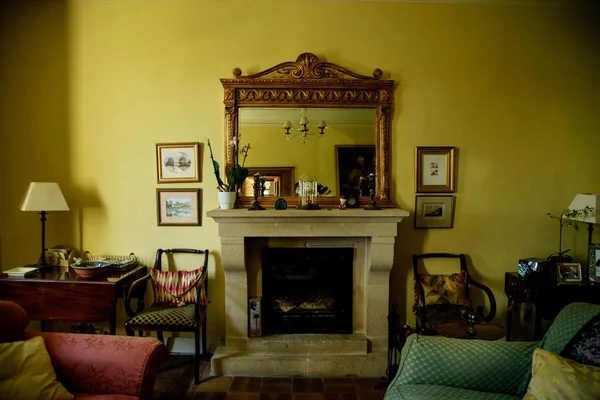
column 279, row 181
column 336, row 158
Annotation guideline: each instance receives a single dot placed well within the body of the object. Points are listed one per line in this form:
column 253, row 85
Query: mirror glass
column 338, row 158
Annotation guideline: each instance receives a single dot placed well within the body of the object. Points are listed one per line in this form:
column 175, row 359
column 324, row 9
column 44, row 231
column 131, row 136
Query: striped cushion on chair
column 164, row 315
column 177, row 287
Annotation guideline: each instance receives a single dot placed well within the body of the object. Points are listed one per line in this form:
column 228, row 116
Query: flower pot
column 227, row 200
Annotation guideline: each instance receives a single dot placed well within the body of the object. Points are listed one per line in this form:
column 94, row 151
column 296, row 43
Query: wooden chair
column 431, row 315
column 175, row 316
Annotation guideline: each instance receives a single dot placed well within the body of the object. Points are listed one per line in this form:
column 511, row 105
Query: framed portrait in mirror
column 353, row 164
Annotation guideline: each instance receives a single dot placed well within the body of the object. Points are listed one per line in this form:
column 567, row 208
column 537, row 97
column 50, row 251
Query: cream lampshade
column 581, row 201
column 44, row 197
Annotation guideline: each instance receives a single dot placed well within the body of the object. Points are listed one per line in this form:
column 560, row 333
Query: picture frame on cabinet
column 568, row 273
column 178, row 162
column 178, row 207
column 434, row 169
column 594, row 263
column 434, row 211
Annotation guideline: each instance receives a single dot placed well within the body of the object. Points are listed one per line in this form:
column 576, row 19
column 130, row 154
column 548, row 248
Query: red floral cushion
column 177, row 287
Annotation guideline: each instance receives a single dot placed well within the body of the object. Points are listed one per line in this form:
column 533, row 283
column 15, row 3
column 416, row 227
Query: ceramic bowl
column 91, row 269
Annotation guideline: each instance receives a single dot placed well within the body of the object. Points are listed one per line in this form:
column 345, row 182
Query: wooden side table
column 60, row 294
column 547, row 298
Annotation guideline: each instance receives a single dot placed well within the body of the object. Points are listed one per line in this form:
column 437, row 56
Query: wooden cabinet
column 545, row 299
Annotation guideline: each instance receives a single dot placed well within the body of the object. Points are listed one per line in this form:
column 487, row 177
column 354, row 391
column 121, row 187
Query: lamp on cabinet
column 44, row 197
column 581, row 201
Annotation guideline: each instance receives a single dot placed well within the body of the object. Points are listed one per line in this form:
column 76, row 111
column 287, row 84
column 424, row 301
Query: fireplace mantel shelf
column 303, row 216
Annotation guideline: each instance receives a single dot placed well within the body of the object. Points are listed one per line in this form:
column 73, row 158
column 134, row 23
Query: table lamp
column 581, row 201
column 43, row 197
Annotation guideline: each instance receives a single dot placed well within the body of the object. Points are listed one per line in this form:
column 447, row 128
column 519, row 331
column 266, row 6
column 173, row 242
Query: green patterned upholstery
column 442, row 368
column 435, row 392
column 491, row 366
column 567, row 323
column 165, row 316
column 565, row 326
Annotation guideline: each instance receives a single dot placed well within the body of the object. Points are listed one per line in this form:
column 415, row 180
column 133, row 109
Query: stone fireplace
column 365, row 238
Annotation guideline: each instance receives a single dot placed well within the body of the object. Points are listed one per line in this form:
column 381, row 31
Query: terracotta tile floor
column 176, row 377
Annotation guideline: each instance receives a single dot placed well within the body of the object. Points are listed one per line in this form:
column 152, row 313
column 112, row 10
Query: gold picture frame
column 177, row 162
column 594, row 263
column 434, row 212
column 434, row 169
column 178, row 207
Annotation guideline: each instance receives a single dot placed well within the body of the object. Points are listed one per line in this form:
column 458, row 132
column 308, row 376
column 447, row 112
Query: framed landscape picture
column 434, row 169
column 178, row 207
column 177, row 162
column 434, row 212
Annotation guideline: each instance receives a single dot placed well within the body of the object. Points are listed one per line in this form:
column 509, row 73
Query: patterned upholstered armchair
column 90, row 366
column 436, row 367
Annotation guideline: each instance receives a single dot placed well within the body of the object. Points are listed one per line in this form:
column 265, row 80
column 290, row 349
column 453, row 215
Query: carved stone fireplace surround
column 361, row 353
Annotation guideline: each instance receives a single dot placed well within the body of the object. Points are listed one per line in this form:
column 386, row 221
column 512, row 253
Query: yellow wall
column 88, row 87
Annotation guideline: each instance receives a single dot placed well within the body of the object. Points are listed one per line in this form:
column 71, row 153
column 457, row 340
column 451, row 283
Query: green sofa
column 434, row 367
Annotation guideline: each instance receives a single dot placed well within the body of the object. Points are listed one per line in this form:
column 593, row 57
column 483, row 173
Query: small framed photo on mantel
column 434, row 169
column 434, row 212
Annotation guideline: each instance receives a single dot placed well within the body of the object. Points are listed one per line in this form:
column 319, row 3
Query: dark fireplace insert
column 307, row 290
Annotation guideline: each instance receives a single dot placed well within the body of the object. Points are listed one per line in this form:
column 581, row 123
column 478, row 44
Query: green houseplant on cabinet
column 235, row 177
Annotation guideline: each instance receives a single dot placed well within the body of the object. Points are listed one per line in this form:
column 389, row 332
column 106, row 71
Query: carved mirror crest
column 258, row 106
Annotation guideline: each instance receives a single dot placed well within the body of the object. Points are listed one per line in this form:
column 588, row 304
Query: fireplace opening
column 307, row 290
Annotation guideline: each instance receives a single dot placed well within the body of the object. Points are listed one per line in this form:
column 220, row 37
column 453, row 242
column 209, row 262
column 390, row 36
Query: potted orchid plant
column 235, row 177
column 566, row 218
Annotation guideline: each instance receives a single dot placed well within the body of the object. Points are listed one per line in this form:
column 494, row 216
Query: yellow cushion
column 26, row 372
column 557, row 378
column 446, row 289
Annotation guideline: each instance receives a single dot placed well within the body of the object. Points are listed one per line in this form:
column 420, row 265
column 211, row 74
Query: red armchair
column 98, row 367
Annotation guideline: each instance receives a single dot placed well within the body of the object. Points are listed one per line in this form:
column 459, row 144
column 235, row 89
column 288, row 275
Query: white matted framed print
column 177, row 162
column 434, row 169
column 568, row 272
column 178, row 207
column 434, row 212
column 594, row 263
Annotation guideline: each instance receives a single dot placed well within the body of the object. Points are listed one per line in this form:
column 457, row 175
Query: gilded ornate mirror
column 311, row 118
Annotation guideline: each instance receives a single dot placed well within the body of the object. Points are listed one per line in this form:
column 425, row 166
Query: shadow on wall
column 34, row 109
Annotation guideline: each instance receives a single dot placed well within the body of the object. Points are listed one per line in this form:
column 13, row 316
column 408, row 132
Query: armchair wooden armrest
column 491, row 298
column 136, row 290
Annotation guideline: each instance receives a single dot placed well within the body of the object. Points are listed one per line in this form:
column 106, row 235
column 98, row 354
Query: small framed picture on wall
column 434, row 169
column 177, row 162
column 434, row 212
column 178, row 207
